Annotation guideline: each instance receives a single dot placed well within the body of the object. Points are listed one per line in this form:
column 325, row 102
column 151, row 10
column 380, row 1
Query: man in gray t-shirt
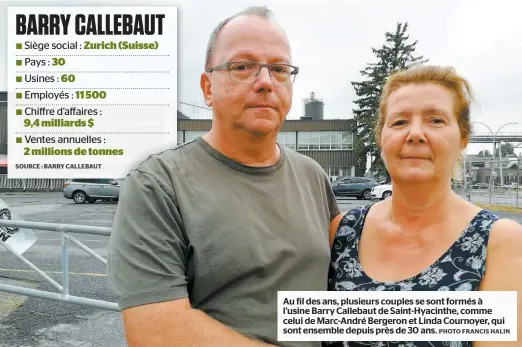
column 207, row 233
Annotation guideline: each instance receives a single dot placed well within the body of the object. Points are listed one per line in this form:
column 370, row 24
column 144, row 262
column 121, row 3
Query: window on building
column 287, row 139
column 340, row 171
column 336, row 140
column 347, row 140
column 180, row 137
column 325, row 140
column 314, row 139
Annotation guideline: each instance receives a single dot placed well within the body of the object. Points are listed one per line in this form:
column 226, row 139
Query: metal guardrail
column 504, row 133
column 479, row 138
column 31, row 183
column 193, row 111
column 64, row 295
column 503, row 195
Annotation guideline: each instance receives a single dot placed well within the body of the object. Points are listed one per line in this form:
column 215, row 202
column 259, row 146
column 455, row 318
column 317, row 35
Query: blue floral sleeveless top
column 460, row 268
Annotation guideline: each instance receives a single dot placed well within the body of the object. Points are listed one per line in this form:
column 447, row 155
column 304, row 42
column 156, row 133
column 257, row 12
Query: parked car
column 82, row 190
column 480, row 186
column 359, row 187
column 513, row 185
column 381, row 192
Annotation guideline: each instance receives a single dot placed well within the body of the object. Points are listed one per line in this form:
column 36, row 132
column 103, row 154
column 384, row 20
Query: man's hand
column 177, row 324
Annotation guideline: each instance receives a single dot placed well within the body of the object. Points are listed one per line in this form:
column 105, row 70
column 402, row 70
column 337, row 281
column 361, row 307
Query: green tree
column 395, row 54
column 507, row 149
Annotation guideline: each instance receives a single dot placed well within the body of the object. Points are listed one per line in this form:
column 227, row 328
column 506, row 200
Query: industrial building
column 482, row 169
column 330, row 142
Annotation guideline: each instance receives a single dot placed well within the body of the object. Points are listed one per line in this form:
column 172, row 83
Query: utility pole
column 500, row 163
column 518, row 180
column 492, row 181
column 467, row 183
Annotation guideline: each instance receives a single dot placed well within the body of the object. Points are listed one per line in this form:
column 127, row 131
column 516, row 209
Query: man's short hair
column 261, row 11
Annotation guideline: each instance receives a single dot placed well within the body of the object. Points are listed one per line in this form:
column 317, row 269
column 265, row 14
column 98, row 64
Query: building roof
column 181, row 115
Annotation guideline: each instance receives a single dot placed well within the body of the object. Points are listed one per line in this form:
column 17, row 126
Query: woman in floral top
column 425, row 237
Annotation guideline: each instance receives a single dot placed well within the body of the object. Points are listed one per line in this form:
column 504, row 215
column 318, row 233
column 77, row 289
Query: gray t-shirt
column 193, row 223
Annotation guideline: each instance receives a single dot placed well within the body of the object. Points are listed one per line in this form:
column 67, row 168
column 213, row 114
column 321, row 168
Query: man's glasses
column 246, row 72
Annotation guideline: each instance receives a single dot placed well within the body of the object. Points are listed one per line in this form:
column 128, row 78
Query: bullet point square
column 18, row 112
column 18, row 140
column 18, row 78
column 18, row 63
column 18, row 95
column 18, row 46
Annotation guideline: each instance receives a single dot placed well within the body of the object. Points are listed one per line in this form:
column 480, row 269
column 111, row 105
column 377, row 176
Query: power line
column 194, row 105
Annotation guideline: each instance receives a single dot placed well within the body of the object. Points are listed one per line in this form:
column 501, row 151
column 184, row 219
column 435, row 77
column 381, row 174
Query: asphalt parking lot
column 31, row 322
column 43, row 323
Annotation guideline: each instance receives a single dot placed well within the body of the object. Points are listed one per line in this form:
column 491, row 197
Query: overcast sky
column 331, row 42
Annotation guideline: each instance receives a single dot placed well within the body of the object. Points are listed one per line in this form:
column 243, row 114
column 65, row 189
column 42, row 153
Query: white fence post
column 64, row 295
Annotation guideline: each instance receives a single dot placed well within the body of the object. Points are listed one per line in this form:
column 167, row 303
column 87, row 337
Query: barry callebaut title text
column 90, row 24
column 91, row 89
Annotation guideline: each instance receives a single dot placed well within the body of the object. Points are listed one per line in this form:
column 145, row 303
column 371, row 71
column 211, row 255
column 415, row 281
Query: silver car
column 82, row 190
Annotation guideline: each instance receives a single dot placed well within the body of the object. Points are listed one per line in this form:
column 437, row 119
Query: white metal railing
column 504, row 133
column 194, row 111
column 31, row 183
column 64, row 295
